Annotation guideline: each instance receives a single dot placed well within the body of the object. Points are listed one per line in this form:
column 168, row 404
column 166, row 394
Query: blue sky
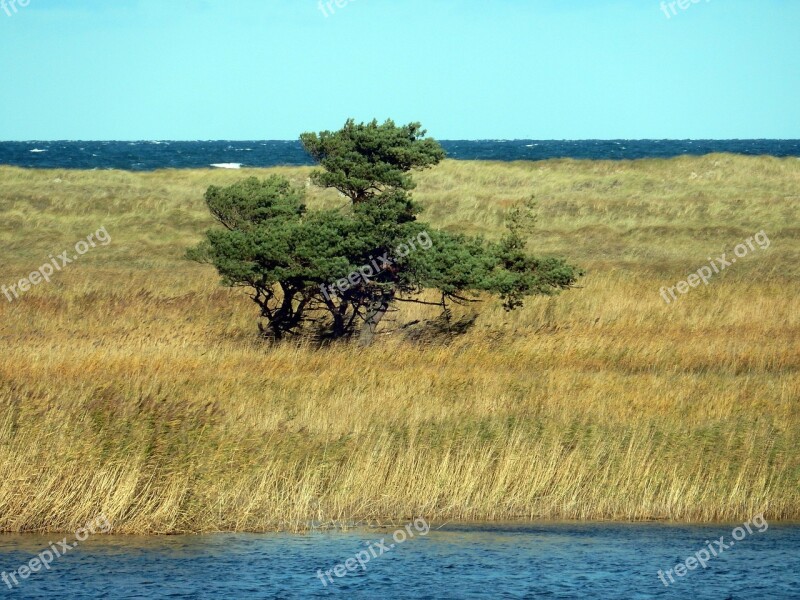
column 467, row 69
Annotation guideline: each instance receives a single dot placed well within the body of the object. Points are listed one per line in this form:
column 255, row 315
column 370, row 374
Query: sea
column 163, row 154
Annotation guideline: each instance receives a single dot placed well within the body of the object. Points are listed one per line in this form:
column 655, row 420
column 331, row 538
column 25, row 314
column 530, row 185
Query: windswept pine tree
column 340, row 271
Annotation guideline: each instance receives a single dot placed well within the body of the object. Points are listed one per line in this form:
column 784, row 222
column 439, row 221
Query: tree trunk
column 339, row 327
column 375, row 313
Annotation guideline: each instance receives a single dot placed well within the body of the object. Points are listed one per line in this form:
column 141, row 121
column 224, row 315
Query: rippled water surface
column 149, row 155
column 532, row 561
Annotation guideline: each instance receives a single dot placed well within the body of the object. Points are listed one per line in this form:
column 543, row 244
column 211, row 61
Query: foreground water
column 146, row 156
column 536, row 561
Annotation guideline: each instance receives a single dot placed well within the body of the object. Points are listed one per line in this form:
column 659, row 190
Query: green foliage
column 303, row 266
column 366, row 160
column 519, row 274
column 251, row 202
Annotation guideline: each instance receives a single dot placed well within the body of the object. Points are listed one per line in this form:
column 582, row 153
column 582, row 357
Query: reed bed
column 134, row 385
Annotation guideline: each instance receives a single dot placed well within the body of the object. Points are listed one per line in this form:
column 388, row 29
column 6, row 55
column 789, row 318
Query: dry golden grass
column 134, row 385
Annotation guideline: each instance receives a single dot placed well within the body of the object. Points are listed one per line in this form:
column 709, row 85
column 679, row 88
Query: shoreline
column 447, row 526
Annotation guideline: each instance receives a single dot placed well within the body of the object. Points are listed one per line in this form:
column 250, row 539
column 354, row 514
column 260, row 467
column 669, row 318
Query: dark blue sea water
column 150, row 155
column 596, row 561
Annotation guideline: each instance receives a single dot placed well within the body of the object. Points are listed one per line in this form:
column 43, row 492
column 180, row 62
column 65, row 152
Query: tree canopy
column 366, row 160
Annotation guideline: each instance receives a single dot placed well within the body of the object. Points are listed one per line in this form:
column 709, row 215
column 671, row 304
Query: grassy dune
column 134, row 385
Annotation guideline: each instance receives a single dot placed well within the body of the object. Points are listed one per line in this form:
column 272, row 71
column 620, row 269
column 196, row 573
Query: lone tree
column 340, row 271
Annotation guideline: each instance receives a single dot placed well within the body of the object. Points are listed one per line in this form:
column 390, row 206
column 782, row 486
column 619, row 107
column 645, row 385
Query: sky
column 466, row 69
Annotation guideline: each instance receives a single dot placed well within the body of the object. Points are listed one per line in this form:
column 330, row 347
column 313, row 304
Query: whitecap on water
column 37, row 150
column 227, row 165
